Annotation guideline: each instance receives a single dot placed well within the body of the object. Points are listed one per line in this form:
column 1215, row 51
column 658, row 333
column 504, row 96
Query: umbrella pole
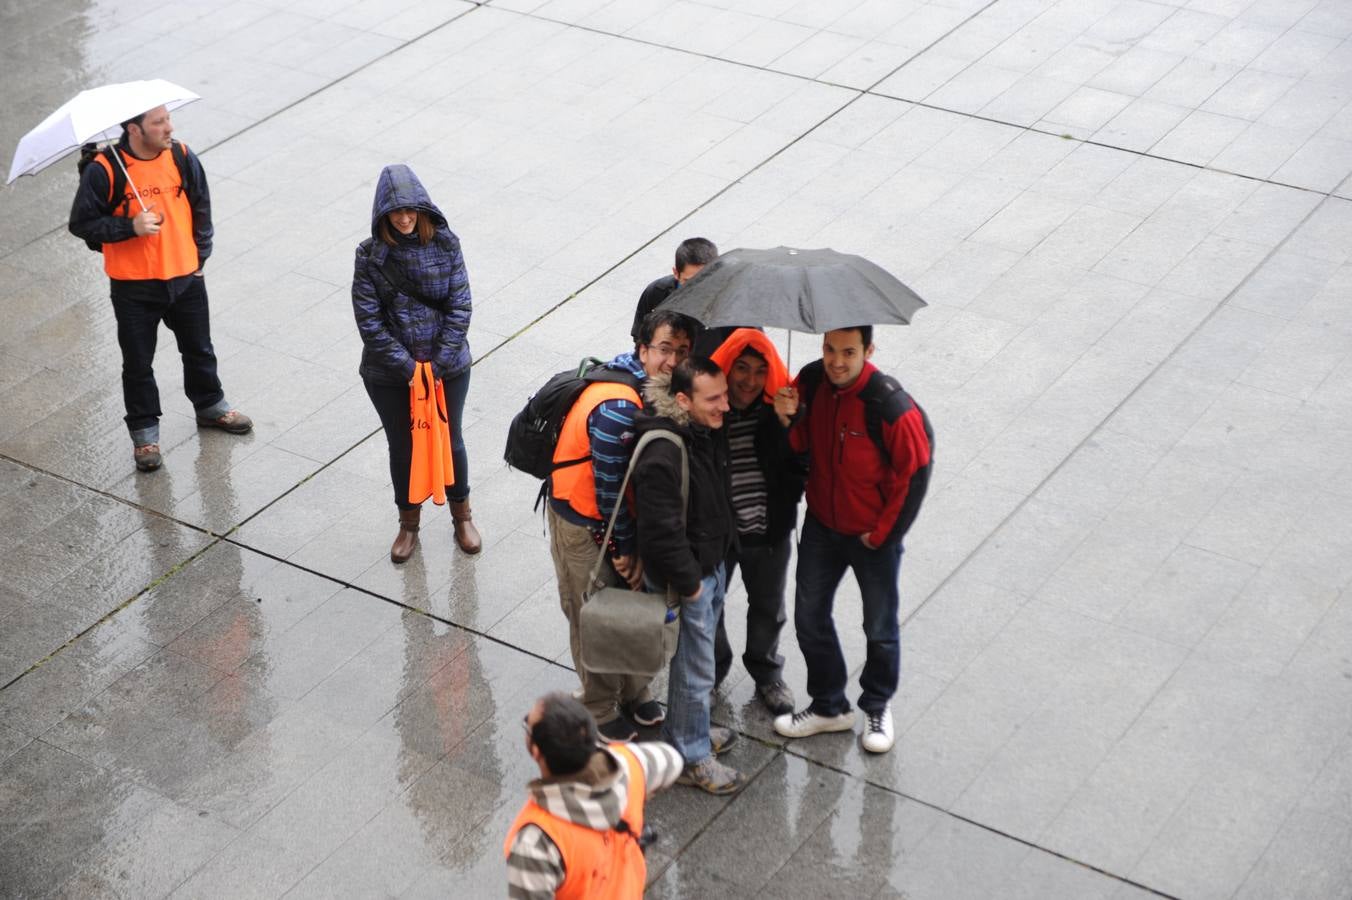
column 134, row 190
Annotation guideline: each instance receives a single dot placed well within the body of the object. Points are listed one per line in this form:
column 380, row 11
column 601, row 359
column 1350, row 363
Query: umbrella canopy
column 92, row 115
column 803, row 290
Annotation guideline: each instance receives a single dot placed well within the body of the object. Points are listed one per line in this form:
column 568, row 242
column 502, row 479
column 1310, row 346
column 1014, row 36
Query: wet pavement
column 1127, row 648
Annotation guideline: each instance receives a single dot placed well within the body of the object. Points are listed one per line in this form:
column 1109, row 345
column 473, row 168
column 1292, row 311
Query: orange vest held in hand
column 168, row 254
column 598, row 865
column 430, row 468
column 576, row 484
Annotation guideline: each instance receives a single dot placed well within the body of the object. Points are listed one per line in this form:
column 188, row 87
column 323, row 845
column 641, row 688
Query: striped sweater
column 594, row 797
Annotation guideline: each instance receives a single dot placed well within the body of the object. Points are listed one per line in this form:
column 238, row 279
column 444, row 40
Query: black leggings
column 391, row 403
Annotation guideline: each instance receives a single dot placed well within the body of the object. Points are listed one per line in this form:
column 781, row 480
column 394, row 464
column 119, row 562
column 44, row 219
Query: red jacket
column 853, row 488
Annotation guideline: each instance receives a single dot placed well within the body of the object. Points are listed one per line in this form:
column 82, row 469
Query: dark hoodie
column 397, row 329
column 672, row 555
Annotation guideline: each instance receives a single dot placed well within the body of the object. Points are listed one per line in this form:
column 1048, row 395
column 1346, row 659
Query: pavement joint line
column 788, row 751
column 873, row 91
column 390, row 600
column 108, row 616
column 1146, row 154
column 723, row 807
column 1070, row 454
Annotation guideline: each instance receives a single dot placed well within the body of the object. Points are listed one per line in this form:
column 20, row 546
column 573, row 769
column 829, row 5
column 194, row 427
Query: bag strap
column 657, row 434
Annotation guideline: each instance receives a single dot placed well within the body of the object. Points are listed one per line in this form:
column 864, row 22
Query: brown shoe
column 234, row 422
column 147, row 457
column 466, row 535
column 407, row 538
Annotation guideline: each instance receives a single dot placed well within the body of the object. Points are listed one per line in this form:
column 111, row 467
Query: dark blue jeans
column 180, row 303
column 823, row 557
column 391, row 403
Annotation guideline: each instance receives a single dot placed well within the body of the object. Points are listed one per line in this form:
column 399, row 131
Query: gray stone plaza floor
column 1127, row 638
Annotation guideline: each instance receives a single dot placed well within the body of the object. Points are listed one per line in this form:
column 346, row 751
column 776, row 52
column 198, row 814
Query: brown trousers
column 574, row 554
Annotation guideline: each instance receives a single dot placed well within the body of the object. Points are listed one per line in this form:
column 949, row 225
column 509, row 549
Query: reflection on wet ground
column 1126, row 603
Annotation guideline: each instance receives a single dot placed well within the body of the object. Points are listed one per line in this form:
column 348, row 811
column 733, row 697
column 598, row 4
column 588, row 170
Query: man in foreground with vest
column 155, row 239
column 599, row 430
column 683, row 545
column 869, row 446
column 578, row 834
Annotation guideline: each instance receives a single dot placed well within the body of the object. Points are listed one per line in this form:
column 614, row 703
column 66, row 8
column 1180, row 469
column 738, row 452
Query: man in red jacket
column 869, row 463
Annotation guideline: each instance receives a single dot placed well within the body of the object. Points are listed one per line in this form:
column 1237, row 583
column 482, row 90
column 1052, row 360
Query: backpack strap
column 883, row 401
column 180, row 152
column 657, row 434
column 809, row 379
column 117, row 178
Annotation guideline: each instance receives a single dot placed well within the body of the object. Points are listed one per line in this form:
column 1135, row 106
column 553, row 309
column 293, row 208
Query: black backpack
column 884, row 400
column 534, row 432
column 118, row 188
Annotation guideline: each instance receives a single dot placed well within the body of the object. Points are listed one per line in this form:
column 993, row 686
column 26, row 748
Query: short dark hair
column 683, row 376
column 865, row 332
column 679, row 323
column 566, row 733
column 695, row 251
column 134, row 120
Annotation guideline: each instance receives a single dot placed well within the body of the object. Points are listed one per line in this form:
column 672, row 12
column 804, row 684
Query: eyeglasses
column 664, row 349
column 530, row 731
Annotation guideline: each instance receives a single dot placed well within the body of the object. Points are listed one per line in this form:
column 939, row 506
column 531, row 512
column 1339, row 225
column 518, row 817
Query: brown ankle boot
column 407, row 538
column 466, row 535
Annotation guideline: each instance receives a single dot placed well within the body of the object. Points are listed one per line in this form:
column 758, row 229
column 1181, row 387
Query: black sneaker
column 777, row 697
column 647, row 713
column 618, row 730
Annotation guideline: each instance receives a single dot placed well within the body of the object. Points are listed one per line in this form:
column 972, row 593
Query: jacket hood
column 777, row 374
column 628, row 362
column 661, row 402
column 594, row 798
column 399, row 188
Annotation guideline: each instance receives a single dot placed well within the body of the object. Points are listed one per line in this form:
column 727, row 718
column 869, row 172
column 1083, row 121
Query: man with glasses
column 599, row 429
column 580, row 832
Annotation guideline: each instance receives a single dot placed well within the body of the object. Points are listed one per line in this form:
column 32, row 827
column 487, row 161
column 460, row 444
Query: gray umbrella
column 803, row 290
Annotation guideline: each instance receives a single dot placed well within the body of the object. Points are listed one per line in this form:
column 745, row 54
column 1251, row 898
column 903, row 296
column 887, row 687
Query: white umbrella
column 93, row 115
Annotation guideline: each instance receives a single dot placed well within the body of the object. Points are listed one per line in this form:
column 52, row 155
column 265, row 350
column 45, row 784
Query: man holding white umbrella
column 155, row 238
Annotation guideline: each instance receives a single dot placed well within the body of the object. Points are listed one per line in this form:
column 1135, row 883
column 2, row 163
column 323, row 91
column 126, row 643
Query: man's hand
column 699, row 592
column 786, row 404
column 147, row 221
column 863, row 539
column 630, row 568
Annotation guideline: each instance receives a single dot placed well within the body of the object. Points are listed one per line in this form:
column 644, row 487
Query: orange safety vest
column 170, row 253
column 597, row 865
column 576, row 484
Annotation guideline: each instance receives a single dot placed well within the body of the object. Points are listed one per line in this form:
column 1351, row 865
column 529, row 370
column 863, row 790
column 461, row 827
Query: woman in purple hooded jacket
column 410, row 294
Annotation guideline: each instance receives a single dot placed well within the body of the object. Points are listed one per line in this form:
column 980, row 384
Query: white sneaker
column 807, row 722
column 878, row 737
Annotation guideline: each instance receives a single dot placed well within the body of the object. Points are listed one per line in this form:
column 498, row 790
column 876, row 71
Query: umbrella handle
column 125, row 174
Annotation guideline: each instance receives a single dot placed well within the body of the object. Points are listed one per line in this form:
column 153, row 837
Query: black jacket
column 91, row 214
column 671, row 555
